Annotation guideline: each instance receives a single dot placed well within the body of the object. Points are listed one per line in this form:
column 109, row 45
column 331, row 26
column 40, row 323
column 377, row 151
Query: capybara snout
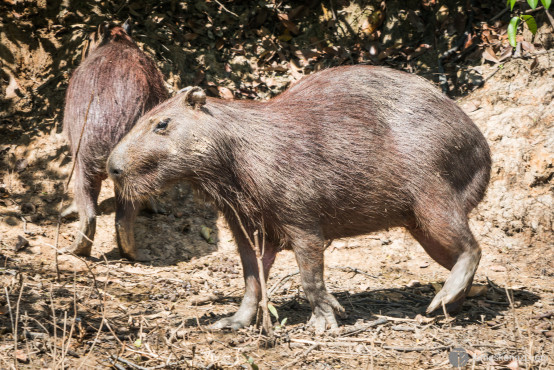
column 345, row 151
column 113, row 87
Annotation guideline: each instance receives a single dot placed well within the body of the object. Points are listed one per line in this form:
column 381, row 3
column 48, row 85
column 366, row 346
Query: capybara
column 121, row 83
column 345, row 151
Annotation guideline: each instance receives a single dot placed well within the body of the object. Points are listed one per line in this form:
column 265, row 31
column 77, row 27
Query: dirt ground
column 68, row 312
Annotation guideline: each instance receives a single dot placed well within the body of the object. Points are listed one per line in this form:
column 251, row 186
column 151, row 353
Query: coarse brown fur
column 345, row 151
column 123, row 84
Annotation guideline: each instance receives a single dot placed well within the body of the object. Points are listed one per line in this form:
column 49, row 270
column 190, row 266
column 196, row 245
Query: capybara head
column 161, row 148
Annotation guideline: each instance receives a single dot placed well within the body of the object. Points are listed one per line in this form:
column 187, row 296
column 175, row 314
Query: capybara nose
column 115, row 172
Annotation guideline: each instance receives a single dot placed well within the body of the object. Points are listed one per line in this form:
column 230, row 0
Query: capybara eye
column 162, row 125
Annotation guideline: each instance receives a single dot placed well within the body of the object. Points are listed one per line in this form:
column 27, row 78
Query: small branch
column 379, row 321
column 550, row 18
column 282, row 280
column 227, row 10
column 416, row 349
column 301, row 356
column 22, row 285
column 11, row 321
column 128, row 363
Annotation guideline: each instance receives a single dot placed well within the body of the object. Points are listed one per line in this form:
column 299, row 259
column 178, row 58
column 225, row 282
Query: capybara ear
column 193, row 95
column 128, row 26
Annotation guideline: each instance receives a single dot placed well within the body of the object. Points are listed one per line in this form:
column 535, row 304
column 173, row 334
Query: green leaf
column 273, row 310
column 546, row 3
column 512, row 30
column 250, row 361
column 530, row 23
column 533, row 3
column 510, row 4
column 138, row 343
column 284, row 321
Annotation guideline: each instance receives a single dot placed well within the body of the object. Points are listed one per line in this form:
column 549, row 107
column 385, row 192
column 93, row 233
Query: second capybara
column 121, row 83
column 345, row 151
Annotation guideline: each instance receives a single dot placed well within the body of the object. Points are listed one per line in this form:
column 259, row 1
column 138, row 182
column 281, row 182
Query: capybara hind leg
column 125, row 216
column 249, row 305
column 449, row 241
column 308, row 250
column 86, row 196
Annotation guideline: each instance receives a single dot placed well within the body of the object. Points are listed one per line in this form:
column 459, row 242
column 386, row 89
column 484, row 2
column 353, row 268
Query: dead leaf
column 490, row 55
column 284, row 18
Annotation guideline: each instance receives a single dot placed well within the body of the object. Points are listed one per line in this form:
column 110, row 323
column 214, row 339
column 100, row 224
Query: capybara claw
column 452, row 302
column 323, row 316
column 228, row 323
column 81, row 248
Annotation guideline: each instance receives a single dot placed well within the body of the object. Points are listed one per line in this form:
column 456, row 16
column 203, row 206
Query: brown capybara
column 344, row 152
column 123, row 84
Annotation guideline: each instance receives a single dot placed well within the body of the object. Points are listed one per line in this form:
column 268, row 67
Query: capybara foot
column 72, row 208
column 234, row 322
column 80, row 247
column 458, row 283
column 323, row 315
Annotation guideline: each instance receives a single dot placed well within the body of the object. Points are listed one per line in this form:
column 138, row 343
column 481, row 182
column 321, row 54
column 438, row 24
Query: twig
column 499, row 15
column 301, row 356
column 354, row 270
column 17, row 316
column 128, row 363
column 86, row 264
column 379, row 321
column 67, row 185
column 282, row 280
column 416, row 349
column 54, row 350
column 11, row 321
column 64, row 352
column 103, row 315
column 227, row 10
column 550, row 18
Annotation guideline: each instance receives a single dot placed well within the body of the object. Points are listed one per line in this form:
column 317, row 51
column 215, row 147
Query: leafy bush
column 529, row 19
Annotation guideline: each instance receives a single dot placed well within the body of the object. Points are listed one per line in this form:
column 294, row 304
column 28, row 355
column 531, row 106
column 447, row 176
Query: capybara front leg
column 308, row 250
column 125, row 216
column 449, row 241
column 86, row 195
column 249, row 305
